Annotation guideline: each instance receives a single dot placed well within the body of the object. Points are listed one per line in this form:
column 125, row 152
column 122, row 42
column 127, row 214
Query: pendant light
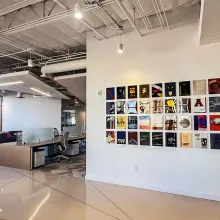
column 78, row 11
column 120, row 47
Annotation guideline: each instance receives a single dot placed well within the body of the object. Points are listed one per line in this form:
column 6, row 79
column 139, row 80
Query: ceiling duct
column 63, row 67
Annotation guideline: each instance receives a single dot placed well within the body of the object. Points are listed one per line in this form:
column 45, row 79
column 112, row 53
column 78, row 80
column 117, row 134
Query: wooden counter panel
column 15, row 156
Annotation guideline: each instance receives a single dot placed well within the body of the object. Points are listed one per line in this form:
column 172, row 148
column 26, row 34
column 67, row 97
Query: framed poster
column 121, row 137
column 121, row 107
column 157, row 122
column 200, row 122
column 157, row 139
column 144, row 122
column 144, row 91
column 144, row 106
column 121, row 122
column 110, row 137
column 215, row 141
column 184, row 105
column 199, row 87
column 132, row 107
column 132, row 138
column 110, row 93
column 132, row 122
column 199, row 105
column 214, row 104
column 170, row 89
column 201, row 140
column 214, row 86
column 185, row 123
column 214, row 122
column 110, row 108
column 132, row 92
column 184, row 88
column 110, row 122
column 157, row 90
column 171, row 122
column 186, row 140
column 171, row 139
column 121, row 92
column 145, row 138
column 157, row 106
column 170, row 106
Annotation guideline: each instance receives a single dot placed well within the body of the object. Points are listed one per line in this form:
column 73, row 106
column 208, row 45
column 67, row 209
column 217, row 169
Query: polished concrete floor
column 38, row 195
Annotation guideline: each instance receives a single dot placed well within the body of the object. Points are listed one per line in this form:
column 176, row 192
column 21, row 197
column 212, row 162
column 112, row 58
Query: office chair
column 62, row 148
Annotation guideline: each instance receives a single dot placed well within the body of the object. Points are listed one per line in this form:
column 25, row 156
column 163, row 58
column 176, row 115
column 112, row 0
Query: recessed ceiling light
column 11, row 83
column 41, row 92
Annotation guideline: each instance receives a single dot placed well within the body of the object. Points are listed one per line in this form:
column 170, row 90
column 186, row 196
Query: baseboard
column 153, row 187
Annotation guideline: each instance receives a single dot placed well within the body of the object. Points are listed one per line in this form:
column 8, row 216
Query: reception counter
column 20, row 156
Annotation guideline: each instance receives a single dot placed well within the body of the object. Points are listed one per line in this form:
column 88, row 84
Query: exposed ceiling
column 47, row 30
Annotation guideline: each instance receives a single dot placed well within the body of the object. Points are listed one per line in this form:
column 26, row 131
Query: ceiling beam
column 18, row 6
column 125, row 11
column 13, row 57
column 61, row 4
column 52, row 18
column 20, row 46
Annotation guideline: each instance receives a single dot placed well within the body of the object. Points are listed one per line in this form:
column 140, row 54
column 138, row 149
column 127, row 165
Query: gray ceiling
column 48, row 30
column 48, row 27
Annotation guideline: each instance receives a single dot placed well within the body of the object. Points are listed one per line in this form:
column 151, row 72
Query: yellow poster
column 186, row 140
column 121, row 122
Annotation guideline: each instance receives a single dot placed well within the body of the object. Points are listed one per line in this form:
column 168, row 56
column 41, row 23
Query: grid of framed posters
column 173, row 114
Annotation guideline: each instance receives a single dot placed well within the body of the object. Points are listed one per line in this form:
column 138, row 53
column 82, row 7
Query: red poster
column 215, row 122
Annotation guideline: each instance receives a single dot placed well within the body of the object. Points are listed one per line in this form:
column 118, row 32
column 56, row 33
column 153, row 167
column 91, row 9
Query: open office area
column 109, row 110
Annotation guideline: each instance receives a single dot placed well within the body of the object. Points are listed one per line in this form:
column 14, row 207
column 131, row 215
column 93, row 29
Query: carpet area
column 76, row 167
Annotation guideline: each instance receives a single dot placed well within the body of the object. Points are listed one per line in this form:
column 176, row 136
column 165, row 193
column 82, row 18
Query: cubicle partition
column 73, row 130
column 37, row 135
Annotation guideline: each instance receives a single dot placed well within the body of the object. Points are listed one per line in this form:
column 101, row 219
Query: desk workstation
column 20, row 155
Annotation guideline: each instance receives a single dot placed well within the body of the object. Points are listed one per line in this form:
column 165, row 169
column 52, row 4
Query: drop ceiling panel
column 75, row 83
column 29, row 80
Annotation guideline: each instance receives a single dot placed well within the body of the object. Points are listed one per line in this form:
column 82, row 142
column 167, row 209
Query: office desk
column 21, row 156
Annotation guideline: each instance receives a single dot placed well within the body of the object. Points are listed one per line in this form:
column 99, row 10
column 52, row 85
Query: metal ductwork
column 64, row 67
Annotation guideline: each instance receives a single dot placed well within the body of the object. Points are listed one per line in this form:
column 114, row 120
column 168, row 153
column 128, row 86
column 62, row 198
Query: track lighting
column 78, row 11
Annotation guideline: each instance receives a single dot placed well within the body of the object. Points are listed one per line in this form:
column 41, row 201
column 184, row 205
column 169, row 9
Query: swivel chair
column 62, row 148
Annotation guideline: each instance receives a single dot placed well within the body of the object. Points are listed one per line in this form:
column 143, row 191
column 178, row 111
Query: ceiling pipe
column 63, row 67
column 18, row 6
column 124, row 10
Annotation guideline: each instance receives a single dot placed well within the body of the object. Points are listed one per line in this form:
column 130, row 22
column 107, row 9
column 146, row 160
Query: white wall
column 30, row 112
column 161, row 57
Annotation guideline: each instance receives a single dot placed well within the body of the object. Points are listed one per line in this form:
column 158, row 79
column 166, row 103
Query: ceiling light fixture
column 11, row 83
column 120, row 46
column 78, row 11
column 43, row 93
column 30, row 62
